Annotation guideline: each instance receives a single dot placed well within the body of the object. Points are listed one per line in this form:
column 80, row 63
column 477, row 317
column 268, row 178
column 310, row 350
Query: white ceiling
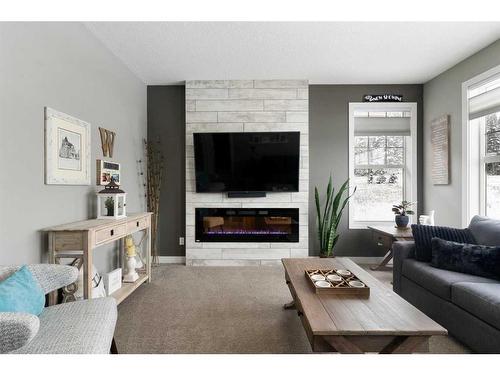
column 330, row 52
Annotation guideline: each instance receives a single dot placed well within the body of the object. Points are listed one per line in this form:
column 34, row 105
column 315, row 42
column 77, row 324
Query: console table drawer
column 381, row 240
column 110, row 233
column 138, row 224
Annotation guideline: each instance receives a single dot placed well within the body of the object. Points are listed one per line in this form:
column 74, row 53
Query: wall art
column 440, row 150
column 107, row 170
column 107, row 142
column 67, row 149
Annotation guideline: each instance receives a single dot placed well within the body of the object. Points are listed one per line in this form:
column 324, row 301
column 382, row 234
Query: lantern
column 111, row 202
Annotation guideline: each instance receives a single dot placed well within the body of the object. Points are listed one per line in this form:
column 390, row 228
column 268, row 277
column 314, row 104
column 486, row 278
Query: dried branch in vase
column 154, row 174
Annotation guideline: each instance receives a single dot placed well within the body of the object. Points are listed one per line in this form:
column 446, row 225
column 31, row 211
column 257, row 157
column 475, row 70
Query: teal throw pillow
column 20, row 292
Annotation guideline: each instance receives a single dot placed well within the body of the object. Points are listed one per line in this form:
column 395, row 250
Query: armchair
column 81, row 327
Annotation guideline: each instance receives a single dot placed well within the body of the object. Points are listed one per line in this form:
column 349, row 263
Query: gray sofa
column 468, row 306
column 81, row 327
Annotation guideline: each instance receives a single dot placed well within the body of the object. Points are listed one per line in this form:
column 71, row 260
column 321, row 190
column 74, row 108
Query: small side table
column 385, row 236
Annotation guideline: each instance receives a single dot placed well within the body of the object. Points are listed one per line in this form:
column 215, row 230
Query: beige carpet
column 218, row 310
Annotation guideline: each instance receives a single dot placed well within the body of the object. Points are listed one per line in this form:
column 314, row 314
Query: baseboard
column 182, row 260
column 366, row 260
column 172, row 260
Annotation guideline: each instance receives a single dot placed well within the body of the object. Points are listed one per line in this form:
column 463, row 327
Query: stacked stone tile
column 246, row 106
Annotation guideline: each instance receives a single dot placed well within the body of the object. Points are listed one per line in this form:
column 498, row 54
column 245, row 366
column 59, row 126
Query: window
column 381, row 161
column 378, row 175
column 481, row 100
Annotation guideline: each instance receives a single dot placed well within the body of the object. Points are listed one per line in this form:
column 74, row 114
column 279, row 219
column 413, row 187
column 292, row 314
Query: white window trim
column 411, row 191
column 471, row 187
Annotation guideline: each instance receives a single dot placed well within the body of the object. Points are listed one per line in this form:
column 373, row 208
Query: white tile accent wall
column 249, row 106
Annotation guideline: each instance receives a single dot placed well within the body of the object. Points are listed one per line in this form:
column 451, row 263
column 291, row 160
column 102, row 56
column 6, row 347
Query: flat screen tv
column 246, row 162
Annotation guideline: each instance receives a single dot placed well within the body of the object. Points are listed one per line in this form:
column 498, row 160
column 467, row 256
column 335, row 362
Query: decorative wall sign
column 67, row 149
column 383, row 98
column 107, row 170
column 440, row 150
column 107, row 142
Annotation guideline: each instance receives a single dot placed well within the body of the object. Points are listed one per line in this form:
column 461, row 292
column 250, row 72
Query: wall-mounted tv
column 246, row 162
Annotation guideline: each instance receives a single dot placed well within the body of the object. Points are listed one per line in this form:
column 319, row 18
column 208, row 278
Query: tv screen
column 236, row 162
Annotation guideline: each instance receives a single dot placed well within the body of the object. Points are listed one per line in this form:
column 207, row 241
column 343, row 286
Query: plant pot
column 402, row 221
column 324, row 255
column 110, row 212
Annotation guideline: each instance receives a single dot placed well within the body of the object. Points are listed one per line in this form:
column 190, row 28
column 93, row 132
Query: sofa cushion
column 480, row 299
column 479, row 260
column 81, row 327
column 435, row 280
column 423, row 234
column 486, row 231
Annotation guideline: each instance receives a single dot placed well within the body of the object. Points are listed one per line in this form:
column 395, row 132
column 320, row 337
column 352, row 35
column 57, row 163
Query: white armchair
column 81, row 327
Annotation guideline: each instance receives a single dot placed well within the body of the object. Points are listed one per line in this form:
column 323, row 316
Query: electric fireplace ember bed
column 247, row 224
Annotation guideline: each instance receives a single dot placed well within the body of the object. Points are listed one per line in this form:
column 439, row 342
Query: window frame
column 473, row 159
column 410, row 168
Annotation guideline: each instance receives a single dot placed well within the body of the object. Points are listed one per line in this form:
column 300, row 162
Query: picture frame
column 67, row 149
column 105, row 170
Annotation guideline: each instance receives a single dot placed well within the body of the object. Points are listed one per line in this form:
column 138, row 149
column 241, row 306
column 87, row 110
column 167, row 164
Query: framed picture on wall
column 67, row 149
column 107, row 171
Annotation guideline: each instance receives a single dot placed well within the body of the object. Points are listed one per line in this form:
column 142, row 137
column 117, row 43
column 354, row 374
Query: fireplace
column 247, row 225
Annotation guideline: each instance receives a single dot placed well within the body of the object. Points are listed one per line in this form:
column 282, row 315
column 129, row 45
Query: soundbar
column 246, row 194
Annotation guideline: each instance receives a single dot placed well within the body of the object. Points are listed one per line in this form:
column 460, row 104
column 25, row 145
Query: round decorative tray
column 317, row 277
column 344, row 272
column 323, row 284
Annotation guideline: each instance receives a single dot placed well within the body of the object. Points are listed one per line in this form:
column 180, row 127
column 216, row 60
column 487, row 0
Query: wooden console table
column 385, row 236
column 81, row 238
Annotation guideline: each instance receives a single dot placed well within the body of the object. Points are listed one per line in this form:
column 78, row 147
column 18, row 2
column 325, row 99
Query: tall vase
column 431, row 217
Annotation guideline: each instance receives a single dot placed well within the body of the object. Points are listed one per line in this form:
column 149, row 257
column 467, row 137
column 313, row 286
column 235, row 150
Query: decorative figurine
column 131, row 253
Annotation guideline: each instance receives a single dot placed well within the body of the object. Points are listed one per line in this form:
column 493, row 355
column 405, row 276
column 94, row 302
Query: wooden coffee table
column 382, row 323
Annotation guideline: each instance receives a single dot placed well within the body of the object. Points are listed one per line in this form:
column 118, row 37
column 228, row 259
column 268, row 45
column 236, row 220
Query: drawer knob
column 137, row 223
column 112, row 232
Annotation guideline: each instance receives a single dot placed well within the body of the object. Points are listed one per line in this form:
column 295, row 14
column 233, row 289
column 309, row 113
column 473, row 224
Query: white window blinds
column 484, row 104
column 382, row 126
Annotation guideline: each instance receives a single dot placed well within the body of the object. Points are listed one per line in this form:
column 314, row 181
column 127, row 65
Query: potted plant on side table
column 402, row 211
column 109, row 203
column 329, row 216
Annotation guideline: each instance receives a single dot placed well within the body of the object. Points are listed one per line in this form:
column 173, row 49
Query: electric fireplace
column 247, row 224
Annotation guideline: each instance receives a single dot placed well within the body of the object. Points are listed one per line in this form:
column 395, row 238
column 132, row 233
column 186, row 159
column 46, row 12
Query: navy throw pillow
column 479, row 260
column 423, row 234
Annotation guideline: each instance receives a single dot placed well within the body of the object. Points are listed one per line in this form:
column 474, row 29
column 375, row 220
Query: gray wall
column 443, row 95
column 63, row 66
column 166, row 123
column 328, row 143
column 328, row 152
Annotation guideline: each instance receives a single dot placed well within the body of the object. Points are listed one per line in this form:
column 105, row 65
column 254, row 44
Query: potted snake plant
column 330, row 215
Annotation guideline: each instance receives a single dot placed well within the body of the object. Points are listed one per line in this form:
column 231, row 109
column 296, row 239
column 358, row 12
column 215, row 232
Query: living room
column 203, row 187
